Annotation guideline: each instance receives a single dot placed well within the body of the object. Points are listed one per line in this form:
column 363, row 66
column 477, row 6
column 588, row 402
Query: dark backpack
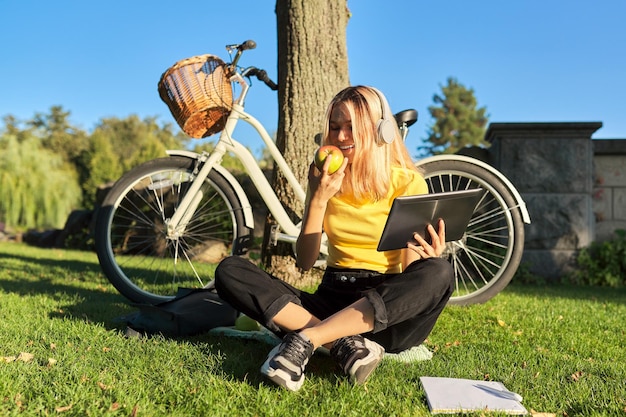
column 191, row 312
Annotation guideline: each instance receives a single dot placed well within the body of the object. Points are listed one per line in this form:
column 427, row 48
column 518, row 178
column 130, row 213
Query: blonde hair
column 369, row 176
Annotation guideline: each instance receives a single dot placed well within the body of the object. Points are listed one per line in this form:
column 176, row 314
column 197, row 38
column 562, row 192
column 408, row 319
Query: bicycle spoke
column 488, row 254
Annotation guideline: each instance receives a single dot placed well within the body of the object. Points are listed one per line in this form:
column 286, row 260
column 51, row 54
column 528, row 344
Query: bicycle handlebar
column 260, row 74
column 249, row 44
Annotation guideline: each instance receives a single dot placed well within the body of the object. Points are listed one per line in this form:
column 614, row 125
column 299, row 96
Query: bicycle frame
column 227, row 143
column 162, row 223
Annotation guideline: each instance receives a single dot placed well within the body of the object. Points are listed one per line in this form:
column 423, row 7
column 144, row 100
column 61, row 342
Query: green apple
column 246, row 323
column 332, row 152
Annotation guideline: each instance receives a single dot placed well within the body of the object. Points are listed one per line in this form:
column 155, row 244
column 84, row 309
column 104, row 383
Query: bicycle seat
column 407, row 117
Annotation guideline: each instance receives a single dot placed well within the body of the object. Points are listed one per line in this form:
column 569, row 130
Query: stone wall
column 551, row 165
column 609, row 187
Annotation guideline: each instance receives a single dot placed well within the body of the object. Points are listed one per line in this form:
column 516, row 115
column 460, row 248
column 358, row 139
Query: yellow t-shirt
column 354, row 229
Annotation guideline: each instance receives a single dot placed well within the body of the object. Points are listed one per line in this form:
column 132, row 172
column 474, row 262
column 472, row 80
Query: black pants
column 406, row 305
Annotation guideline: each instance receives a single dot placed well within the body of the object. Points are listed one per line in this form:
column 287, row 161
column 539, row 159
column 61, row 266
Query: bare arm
column 322, row 187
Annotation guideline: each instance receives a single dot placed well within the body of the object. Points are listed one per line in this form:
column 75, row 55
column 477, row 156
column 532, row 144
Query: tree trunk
column 312, row 68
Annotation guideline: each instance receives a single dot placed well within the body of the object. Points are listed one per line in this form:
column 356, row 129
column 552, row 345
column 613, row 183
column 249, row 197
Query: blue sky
column 527, row 60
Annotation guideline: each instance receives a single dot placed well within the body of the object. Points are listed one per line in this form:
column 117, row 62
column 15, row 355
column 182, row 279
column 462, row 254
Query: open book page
column 454, row 395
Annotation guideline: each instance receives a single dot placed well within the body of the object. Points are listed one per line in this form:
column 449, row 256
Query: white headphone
column 386, row 126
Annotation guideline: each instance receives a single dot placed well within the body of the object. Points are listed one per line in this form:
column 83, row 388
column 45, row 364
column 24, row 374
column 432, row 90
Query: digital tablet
column 414, row 213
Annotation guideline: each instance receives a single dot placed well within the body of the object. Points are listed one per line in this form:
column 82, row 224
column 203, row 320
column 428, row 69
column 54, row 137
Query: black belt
column 352, row 277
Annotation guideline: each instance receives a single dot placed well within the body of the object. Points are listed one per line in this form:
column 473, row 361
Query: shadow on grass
column 79, row 291
column 30, row 275
column 242, row 359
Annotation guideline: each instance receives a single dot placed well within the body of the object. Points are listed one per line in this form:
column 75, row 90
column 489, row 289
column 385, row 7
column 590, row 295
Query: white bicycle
column 167, row 223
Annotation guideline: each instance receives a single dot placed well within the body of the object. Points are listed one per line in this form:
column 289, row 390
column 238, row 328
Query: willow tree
column 38, row 189
column 312, row 68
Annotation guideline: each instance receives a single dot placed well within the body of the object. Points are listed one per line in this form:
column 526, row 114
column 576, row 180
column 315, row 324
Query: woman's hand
column 423, row 249
column 322, row 185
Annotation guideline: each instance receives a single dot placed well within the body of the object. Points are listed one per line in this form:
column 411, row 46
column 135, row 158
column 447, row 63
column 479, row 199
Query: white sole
column 364, row 367
column 279, row 376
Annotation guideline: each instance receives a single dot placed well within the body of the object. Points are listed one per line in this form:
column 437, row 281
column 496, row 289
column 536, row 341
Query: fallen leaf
column 63, row 408
column 25, row 357
column 102, row 386
column 537, row 414
column 7, row 359
column 577, row 375
column 501, row 323
column 52, row 361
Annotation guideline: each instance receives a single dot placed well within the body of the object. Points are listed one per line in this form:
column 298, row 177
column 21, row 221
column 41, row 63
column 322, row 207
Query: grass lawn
column 62, row 353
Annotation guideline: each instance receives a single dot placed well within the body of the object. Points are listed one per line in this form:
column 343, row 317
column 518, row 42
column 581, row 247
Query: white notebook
column 454, row 395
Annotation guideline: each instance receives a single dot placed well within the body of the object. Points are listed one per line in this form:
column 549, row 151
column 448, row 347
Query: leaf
column 501, row 323
column 25, row 357
column 63, row 408
column 577, row 375
column 534, row 413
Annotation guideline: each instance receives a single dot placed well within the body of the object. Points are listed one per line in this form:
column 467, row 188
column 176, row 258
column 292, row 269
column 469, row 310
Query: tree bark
column 312, row 68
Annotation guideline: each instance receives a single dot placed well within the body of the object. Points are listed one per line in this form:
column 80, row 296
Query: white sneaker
column 285, row 363
column 357, row 357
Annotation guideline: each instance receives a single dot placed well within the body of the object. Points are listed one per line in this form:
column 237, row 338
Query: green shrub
column 602, row 263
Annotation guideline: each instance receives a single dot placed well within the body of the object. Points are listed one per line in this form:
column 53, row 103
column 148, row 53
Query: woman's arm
column 322, row 187
column 310, row 238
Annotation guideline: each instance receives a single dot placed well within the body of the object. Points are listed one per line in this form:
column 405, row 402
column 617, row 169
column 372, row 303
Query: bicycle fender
column 241, row 194
column 516, row 195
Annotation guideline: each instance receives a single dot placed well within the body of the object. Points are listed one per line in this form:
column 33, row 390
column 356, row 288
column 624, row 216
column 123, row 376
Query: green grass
column 562, row 348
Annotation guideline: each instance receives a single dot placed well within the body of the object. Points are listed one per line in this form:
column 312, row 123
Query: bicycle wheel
column 145, row 262
column 489, row 253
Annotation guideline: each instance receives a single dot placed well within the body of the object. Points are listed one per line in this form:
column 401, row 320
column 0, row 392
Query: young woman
column 368, row 301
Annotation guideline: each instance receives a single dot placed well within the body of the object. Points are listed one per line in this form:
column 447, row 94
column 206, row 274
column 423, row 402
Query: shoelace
column 295, row 348
column 346, row 349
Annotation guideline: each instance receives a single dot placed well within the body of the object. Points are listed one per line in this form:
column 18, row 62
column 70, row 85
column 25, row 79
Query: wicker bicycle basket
column 198, row 93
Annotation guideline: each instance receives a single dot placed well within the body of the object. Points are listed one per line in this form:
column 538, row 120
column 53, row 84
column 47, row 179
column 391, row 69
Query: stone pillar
column 551, row 165
column 609, row 192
